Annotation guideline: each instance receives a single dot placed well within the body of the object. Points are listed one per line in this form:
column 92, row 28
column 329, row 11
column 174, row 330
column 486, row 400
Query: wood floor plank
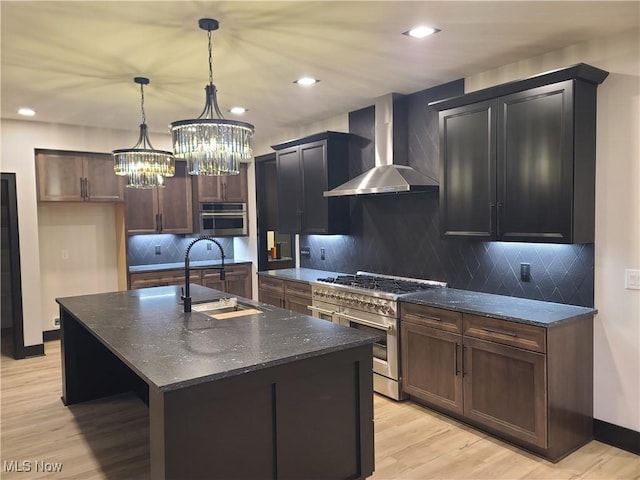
column 108, row 439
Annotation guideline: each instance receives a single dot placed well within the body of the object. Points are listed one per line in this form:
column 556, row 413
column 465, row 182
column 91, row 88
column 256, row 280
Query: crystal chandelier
column 210, row 145
column 144, row 166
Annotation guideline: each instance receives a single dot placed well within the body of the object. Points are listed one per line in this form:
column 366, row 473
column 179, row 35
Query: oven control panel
column 360, row 301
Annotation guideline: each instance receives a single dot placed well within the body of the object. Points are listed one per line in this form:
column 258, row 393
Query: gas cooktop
column 382, row 283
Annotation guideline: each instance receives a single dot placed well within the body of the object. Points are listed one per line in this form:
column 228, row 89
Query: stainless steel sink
column 225, row 308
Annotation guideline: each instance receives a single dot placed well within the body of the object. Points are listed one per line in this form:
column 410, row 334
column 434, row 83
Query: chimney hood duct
column 391, row 174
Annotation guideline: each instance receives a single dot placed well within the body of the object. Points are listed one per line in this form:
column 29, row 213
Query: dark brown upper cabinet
column 223, row 188
column 64, row 176
column 518, row 160
column 306, row 168
column 161, row 210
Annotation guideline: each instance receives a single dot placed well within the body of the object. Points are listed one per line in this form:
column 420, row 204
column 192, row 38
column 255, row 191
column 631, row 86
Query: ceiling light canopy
column 306, row 81
column 27, row 112
column 421, row 31
column 144, row 166
column 210, row 144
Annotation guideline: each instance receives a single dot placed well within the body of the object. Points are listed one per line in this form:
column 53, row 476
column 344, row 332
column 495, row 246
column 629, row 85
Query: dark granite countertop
column 178, row 265
column 299, row 274
column 170, row 349
column 521, row 310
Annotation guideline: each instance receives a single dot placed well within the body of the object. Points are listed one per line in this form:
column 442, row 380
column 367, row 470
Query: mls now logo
column 31, row 466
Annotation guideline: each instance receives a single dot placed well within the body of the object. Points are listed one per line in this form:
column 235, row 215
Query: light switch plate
column 632, row 279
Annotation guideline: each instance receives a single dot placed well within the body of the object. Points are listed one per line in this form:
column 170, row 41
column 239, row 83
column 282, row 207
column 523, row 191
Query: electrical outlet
column 632, row 279
column 209, row 246
column 305, row 251
column 321, row 253
column 56, row 321
column 525, row 272
column 158, row 250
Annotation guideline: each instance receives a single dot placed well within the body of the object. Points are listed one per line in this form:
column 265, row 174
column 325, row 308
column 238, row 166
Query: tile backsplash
column 141, row 249
column 400, row 235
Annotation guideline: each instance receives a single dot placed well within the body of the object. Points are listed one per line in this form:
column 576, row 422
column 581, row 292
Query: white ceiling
column 73, row 62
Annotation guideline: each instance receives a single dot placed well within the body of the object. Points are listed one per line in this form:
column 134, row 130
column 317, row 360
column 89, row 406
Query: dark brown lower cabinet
column 297, row 296
column 289, row 294
column 237, row 279
column 441, row 383
column 528, row 384
column 505, row 389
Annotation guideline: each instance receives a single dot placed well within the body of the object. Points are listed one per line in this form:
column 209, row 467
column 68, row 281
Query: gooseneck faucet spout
column 186, row 296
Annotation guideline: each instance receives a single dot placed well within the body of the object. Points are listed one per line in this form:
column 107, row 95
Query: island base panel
column 309, row 419
column 89, row 369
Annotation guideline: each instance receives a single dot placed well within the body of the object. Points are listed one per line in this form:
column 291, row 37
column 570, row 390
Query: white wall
column 617, row 243
column 86, row 233
column 42, row 277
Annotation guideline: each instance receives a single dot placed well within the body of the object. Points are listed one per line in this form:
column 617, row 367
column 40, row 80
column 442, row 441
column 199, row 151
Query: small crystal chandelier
column 210, row 145
column 144, row 166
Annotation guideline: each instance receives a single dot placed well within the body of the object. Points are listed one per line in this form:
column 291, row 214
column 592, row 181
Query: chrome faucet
column 186, row 296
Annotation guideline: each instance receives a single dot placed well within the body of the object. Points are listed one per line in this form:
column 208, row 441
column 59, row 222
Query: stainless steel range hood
column 391, row 174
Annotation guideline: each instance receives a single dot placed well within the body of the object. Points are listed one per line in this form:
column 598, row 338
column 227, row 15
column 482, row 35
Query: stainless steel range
column 369, row 301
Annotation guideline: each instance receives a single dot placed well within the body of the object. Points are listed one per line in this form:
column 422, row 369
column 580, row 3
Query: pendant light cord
column 210, row 59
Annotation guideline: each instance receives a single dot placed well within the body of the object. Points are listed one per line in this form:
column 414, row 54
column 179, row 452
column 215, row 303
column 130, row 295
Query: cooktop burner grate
column 378, row 283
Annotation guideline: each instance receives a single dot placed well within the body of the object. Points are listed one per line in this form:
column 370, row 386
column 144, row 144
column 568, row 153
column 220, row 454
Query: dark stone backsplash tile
column 399, row 235
column 141, row 249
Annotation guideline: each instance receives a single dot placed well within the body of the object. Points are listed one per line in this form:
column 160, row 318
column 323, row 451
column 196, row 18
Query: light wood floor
column 109, row 438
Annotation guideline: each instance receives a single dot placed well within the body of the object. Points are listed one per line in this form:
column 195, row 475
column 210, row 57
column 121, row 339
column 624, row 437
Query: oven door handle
column 321, row 310
column 366, row 323
column 222, row 214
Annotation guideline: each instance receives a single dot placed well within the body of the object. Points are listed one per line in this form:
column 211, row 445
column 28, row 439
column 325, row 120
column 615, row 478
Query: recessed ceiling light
column 306, row 81
column 237, row 110
column 421, row 31
column 27, row 112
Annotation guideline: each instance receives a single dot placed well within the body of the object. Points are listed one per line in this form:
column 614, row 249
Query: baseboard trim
column 49, row 335
column 616, row 436
column 32, row 351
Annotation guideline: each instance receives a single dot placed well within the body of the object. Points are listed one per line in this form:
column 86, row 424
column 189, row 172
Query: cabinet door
column 141, row 211
column 60, row 177
column 432, row 366
column 239, row 281
column 209, row 188
column 468, row 175
column 175, row 203
column 535, row 164
column 234, row 187
column 289, row 190
column 313, row 165
column 297, row 296
column 211, row 279
column 266, row 296
column 102, row 185
column 505, row 390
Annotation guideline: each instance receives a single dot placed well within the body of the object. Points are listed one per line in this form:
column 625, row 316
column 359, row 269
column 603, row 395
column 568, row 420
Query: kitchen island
column 269, row 394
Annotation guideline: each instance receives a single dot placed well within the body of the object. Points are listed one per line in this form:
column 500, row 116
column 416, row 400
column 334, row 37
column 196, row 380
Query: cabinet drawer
column 439, row 318
column 159, row 279
column 505, row 332
column 273, row 285
column 298, row 289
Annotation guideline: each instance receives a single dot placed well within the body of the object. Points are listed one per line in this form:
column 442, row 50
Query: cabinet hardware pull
column 160, row 215
column 157, row 222
column 500, row 332
column 366, row 323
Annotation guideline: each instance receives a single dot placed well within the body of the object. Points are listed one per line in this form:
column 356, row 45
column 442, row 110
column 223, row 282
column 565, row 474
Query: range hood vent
column 391, row 174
